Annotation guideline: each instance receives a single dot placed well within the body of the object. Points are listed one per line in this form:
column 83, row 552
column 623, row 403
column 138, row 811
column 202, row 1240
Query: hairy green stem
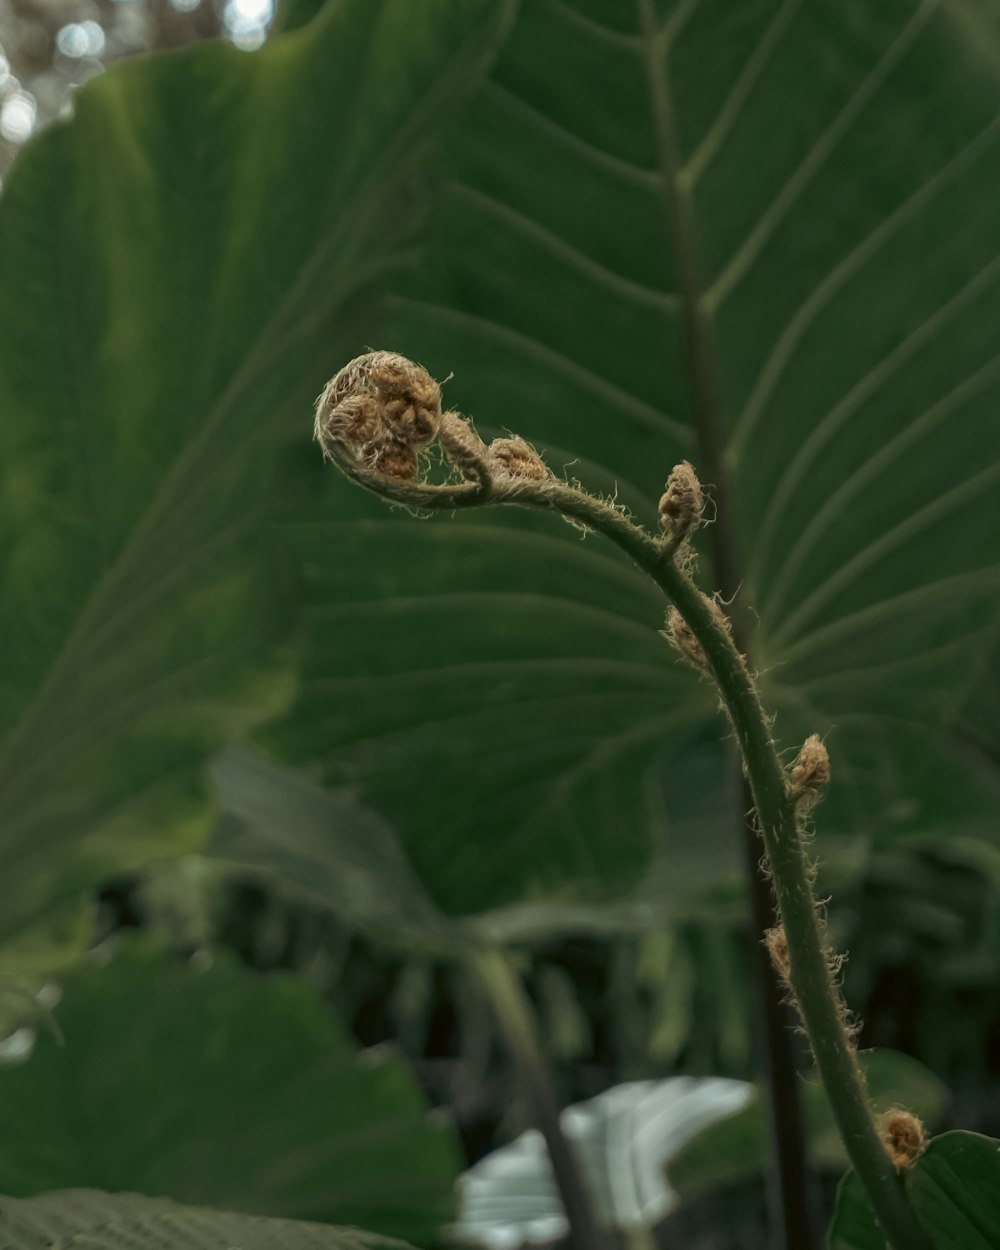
column 515, row 1020
column 816, row 991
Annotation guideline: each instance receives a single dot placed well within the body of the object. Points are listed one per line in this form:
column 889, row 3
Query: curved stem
column 816, row 991
column 516, row 1022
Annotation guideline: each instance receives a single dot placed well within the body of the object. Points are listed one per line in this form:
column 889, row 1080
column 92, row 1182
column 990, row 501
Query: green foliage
column 955, row 1188
column 214, row 1086
column 323, row 850
column 180, row 267
column 126, row 1221
column 760, row 237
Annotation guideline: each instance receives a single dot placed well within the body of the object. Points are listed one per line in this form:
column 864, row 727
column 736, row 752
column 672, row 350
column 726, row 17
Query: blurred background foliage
column 507, row 751
column 49, row 49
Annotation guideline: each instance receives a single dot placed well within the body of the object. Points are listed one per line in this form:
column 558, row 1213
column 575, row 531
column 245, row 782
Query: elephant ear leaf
column 250, row 1096
column 179, row 267
column 762, row 238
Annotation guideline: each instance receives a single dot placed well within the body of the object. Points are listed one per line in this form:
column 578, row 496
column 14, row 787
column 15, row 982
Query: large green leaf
column 216, row 1087
column 954, row 1187
column 180, row 267
column 771, row 225
column 130, row 1222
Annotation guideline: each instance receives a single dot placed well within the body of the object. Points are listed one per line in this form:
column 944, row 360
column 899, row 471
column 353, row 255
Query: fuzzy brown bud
column 519, row 458
column 810, row 774
column 382, row 407
column 683, row 501
column 904, row 1137
column 681, row 636
column 776, row 941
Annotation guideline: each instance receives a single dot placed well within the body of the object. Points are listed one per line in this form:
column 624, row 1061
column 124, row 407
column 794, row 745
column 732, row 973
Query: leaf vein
column 753, row 245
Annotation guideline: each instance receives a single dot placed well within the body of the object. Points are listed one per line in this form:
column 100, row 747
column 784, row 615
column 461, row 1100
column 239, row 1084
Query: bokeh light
column 17, row 116
column 81, row 39
column 247, row 21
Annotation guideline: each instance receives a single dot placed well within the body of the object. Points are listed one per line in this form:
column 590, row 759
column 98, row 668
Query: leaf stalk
column 515, row 1019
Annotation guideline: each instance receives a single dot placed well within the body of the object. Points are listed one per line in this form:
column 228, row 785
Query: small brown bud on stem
column 810, row 774
column 905, row 1138
column 519, row 458
column 682, row 503
column 776, row 941
column 681, row 636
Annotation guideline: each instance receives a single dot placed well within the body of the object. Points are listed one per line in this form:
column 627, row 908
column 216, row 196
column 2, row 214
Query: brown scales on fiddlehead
column 381, row 412
column 810, row 774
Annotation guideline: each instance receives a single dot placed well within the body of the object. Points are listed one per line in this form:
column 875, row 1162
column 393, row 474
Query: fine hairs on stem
column 376, row 421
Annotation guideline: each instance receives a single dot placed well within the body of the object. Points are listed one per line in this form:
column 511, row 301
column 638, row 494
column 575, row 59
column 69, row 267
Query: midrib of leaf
column 790, row 1166
column 681, row 230
column 700, row 302
column 400, row 157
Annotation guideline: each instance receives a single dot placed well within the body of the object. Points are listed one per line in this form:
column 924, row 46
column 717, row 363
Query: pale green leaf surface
column 180, row 267
column 625, row 1140
column 324, row 848
column 214, row 1086
column 76, row 1218
column 498, row 680
column 954, row 1187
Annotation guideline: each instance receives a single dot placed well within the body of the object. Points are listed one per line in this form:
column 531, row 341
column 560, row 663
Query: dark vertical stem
column 791, row 1188
column 517, row 1026
column 792, row 1197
